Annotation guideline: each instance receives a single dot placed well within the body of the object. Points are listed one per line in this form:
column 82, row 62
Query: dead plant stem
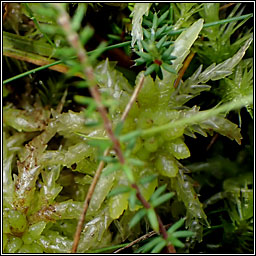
column 99, row 170
column 142, row 238
column 87, row 202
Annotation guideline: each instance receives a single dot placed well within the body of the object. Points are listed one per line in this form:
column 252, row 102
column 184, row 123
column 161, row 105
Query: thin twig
column 41, row 61
column 62, row 102
column 107, row 124
column 226, row 6
column 45, row 62
column 73, row 38
column 146, row 204
column 140, row 239
column 133, row 98
column 87, row 202
column 99, row 170
column 183, row 69
column 170, row 248
column 214, row 138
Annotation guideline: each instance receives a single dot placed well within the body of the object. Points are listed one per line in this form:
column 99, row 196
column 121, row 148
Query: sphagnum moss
column 44, row 190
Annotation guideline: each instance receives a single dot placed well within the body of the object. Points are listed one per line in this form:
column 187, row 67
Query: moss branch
column 102, row 164
column 73, row 38
column 202, row 115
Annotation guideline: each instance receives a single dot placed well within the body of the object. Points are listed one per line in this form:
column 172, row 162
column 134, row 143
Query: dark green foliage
column 157, row 45
column 220, row 37
column 158, row 243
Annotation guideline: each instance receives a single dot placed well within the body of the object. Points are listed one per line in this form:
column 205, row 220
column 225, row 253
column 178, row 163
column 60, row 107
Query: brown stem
column 62, row 102
column 226, row 6
column 133, row 98
column 87, row 202
column 98, row 173
column 214, row 138
column 145, row 203
column 142, row 238
column 107, row 124
column 184, row 68
column 39, row 61
column 64, row 21
column 72, row 36
column 170, row 248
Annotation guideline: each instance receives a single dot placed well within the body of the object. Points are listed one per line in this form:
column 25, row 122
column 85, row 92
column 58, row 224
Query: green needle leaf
column 129, row 173
column 151, row 69
column 133, row 199
column 153, row 219
column 148, row 246
column 145, row 46
column 161, row 31
column 119, row 190
column 84, row 100
column 140, row 61
column 118, row 128
column 176, row 225
column 160, row 43
column 137, row 217
column 167, row 44
column 136, row 162
column 109, row 248
column 108, row 159
column 210, row 24
column 176, row 242
column 102, row 144
column 146, row 33
column 148, row 179
column 145, row 56
column 200, row 116
column 37, row 25
column 86, row 34
column 111, row 168
column 163, row 17
column 162, row 199
column 78, row 16
column 158, row 248
column 183, row 233
column 169, row 68
column 158, row 192
column 167, row 53
column 155, row 21
column 96, row 53
column 147, row 23
column 32, row 71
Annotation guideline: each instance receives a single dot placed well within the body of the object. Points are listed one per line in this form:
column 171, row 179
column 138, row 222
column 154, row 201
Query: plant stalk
column 64, row 21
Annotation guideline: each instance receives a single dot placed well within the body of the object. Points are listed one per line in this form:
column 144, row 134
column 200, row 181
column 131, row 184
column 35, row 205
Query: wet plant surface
column 127, row 127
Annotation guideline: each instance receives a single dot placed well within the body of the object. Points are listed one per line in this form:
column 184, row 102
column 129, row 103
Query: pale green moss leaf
column 140, row 9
